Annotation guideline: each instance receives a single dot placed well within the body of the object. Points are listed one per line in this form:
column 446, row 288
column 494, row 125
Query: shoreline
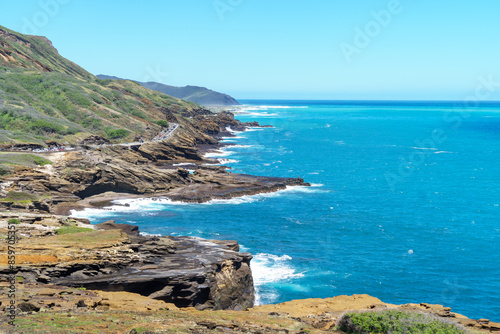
column 201, row 193
column 106, row 199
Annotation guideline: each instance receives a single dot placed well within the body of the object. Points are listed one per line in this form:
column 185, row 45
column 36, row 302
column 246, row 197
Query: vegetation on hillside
column 9, row 161
column 38, row 106
column 35, row 53
column 43, row 96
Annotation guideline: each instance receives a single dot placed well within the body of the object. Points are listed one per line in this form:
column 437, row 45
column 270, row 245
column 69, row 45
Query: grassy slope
column 44, row 96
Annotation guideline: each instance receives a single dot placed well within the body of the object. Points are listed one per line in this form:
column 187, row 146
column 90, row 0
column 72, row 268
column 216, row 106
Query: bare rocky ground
column 49, row 309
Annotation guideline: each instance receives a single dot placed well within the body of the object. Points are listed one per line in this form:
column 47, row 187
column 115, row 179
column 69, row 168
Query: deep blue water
column 405, row 203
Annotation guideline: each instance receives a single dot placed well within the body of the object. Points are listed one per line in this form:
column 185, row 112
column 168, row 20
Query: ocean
column 404, row 203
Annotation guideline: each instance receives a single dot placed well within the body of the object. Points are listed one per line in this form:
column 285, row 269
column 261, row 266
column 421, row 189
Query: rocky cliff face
column 142, row 170
column 187, row 272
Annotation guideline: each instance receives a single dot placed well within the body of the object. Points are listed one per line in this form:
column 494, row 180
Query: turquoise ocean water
column 405, row 203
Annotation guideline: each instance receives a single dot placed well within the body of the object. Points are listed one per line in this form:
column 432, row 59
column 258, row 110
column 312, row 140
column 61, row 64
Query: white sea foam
column 147, row 206
column 228, row 129
column 269, row 268
column 183, row 164
column 219, row 153
column 144, row 234
column 143, row 205
column 227, row 161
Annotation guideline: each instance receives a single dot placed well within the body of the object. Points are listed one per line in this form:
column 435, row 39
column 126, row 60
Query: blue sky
column 363, row 49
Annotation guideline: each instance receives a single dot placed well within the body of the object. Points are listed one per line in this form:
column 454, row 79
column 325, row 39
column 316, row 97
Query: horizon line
column 371, row 100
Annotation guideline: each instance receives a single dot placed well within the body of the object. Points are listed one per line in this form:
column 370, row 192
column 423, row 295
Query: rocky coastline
column 184, row 271
column 97, row 174
column 111, row 271
column 111, row 267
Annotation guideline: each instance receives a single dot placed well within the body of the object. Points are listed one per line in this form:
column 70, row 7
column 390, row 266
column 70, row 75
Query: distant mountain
column 196, row 94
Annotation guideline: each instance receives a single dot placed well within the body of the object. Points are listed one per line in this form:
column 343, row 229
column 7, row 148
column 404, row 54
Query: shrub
column 13, row 221
column 117, row 133
column 40, row 161
column 41, row 125
column 5, row 170
column 393, row 321
column 162, row 123
column 78, row 98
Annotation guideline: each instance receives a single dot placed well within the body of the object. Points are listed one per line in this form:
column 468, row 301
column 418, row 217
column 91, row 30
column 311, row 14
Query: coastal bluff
column 183, row 271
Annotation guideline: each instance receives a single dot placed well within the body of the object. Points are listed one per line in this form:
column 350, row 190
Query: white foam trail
column 304, row 189
column 425, row 148
column 254, row 129
column 229, row 140
column 245, row 109
column 269, row 268
column 259, row 114
column 240, row 146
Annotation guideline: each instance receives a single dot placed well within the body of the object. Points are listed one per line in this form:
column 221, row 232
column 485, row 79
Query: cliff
column 186, row 272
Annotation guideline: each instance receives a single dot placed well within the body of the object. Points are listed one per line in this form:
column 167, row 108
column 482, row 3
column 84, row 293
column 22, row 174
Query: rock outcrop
column 186, row 272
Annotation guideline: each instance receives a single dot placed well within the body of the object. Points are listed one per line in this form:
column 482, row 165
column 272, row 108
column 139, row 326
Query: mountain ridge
column 197, row 94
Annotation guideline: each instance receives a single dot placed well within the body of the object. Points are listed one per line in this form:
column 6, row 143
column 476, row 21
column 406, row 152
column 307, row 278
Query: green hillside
column 35, row 53
column 44, row 96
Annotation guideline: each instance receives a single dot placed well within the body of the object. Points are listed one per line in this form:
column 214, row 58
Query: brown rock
column 111, row 225
column 28, row 307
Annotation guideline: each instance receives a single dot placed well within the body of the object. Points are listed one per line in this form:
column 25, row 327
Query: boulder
column 111, row 225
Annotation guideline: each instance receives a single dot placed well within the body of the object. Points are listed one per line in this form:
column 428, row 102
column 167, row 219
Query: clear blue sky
column 281, row 48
